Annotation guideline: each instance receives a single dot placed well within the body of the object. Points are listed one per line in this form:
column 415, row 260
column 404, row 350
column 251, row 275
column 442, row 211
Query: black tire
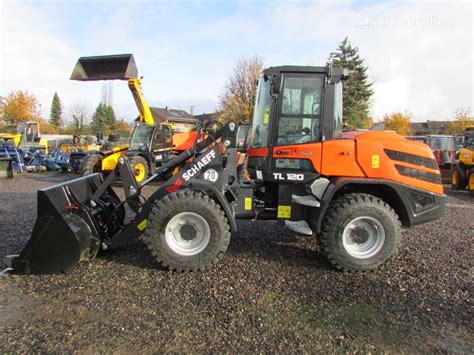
column 458, row 180
column 91, row 164
column 140, row 173
column 172, row 205
column 348, row 209
column 75, row 166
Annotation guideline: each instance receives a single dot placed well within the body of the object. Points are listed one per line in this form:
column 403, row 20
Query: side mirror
column 275, row 84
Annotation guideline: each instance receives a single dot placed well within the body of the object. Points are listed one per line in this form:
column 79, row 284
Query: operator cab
column 29, row 132
column 153, row 142
column 296, row 108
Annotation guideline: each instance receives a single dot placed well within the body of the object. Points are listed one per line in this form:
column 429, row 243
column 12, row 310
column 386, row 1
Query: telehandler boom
column 353, row 190
column 151, row 143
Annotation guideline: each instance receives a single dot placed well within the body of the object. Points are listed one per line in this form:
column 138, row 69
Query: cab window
column 300, row 114
column 261, row 115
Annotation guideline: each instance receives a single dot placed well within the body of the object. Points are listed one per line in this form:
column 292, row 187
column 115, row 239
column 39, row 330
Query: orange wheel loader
column 353, row 191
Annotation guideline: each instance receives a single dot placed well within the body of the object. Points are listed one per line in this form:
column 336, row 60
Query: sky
column 419, row 53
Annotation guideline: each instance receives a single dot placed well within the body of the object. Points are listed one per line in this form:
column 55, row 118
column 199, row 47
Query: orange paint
column 339, row 159
column 360, row 154
column 184, row 140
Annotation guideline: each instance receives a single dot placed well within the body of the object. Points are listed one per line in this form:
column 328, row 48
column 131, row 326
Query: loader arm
column 146, row 116
column 80, row 216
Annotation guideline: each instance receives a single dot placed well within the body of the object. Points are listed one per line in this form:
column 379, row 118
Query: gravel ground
column 273, row 291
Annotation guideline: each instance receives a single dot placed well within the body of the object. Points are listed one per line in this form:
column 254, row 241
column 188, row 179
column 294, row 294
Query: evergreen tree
column 356, row 88
column 103, row 119
column 55, row 117
column 110, row 114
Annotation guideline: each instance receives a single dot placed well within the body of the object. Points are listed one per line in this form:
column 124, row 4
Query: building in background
column 428, row 127
column 183, row 121
column 418, row 128
column 205, row 117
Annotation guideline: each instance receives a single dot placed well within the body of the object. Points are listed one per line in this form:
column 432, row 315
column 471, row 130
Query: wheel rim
column 187, row 233
column 454, row 178
column 363, row 237
column 471, row 182
column 139, row 171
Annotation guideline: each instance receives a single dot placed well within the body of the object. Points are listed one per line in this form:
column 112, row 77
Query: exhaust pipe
column 106, row 67
column 70, row 227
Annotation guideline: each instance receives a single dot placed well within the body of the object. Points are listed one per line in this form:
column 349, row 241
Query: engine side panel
column 339, row 159
column 386, row 155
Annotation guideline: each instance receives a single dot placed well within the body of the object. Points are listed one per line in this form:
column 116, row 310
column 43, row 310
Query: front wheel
column 360, row 232
column 91, row 164
column 139, row 167
column 187, row 231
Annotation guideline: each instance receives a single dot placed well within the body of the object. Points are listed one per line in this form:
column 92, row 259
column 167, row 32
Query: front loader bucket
column 68, row 229
column 106, row 67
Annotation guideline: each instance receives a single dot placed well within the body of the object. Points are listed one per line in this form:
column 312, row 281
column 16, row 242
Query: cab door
column 297, row 147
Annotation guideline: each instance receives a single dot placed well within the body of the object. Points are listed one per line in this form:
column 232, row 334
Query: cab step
column 306, row 200
column 299, row 227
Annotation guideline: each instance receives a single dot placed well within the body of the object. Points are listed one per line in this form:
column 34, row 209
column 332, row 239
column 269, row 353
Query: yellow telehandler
column 151, row 143
column 462, row 171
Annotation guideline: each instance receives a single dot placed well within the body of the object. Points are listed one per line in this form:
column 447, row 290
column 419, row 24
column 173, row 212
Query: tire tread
column 335, row 209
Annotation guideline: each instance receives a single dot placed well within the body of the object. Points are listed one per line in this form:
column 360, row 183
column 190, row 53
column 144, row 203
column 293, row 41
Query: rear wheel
column 91, row 164
column 360, row 232
column 457, row 181
column 187, row 231
column 139, row 168
column 470, row 184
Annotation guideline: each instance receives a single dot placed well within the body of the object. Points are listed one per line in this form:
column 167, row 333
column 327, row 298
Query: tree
column 238, row 97
column 103, row 119
column 398, row 122
column 79, row 115
column 47, row 128
column 55, row 117
column 356, row 88
column 122, row 128
column 368, row 122
column 462, row 118
column 19, row 106
column 110, row 114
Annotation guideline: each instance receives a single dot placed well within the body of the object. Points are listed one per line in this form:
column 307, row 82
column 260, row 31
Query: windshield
column 141, row 136
column 469, row 139
column 261, row 114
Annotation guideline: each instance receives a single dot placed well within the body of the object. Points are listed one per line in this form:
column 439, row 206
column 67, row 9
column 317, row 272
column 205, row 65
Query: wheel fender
column 337, row 183
column 210, row 189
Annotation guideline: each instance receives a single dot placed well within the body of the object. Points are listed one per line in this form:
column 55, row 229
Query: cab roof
column 295, row 69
